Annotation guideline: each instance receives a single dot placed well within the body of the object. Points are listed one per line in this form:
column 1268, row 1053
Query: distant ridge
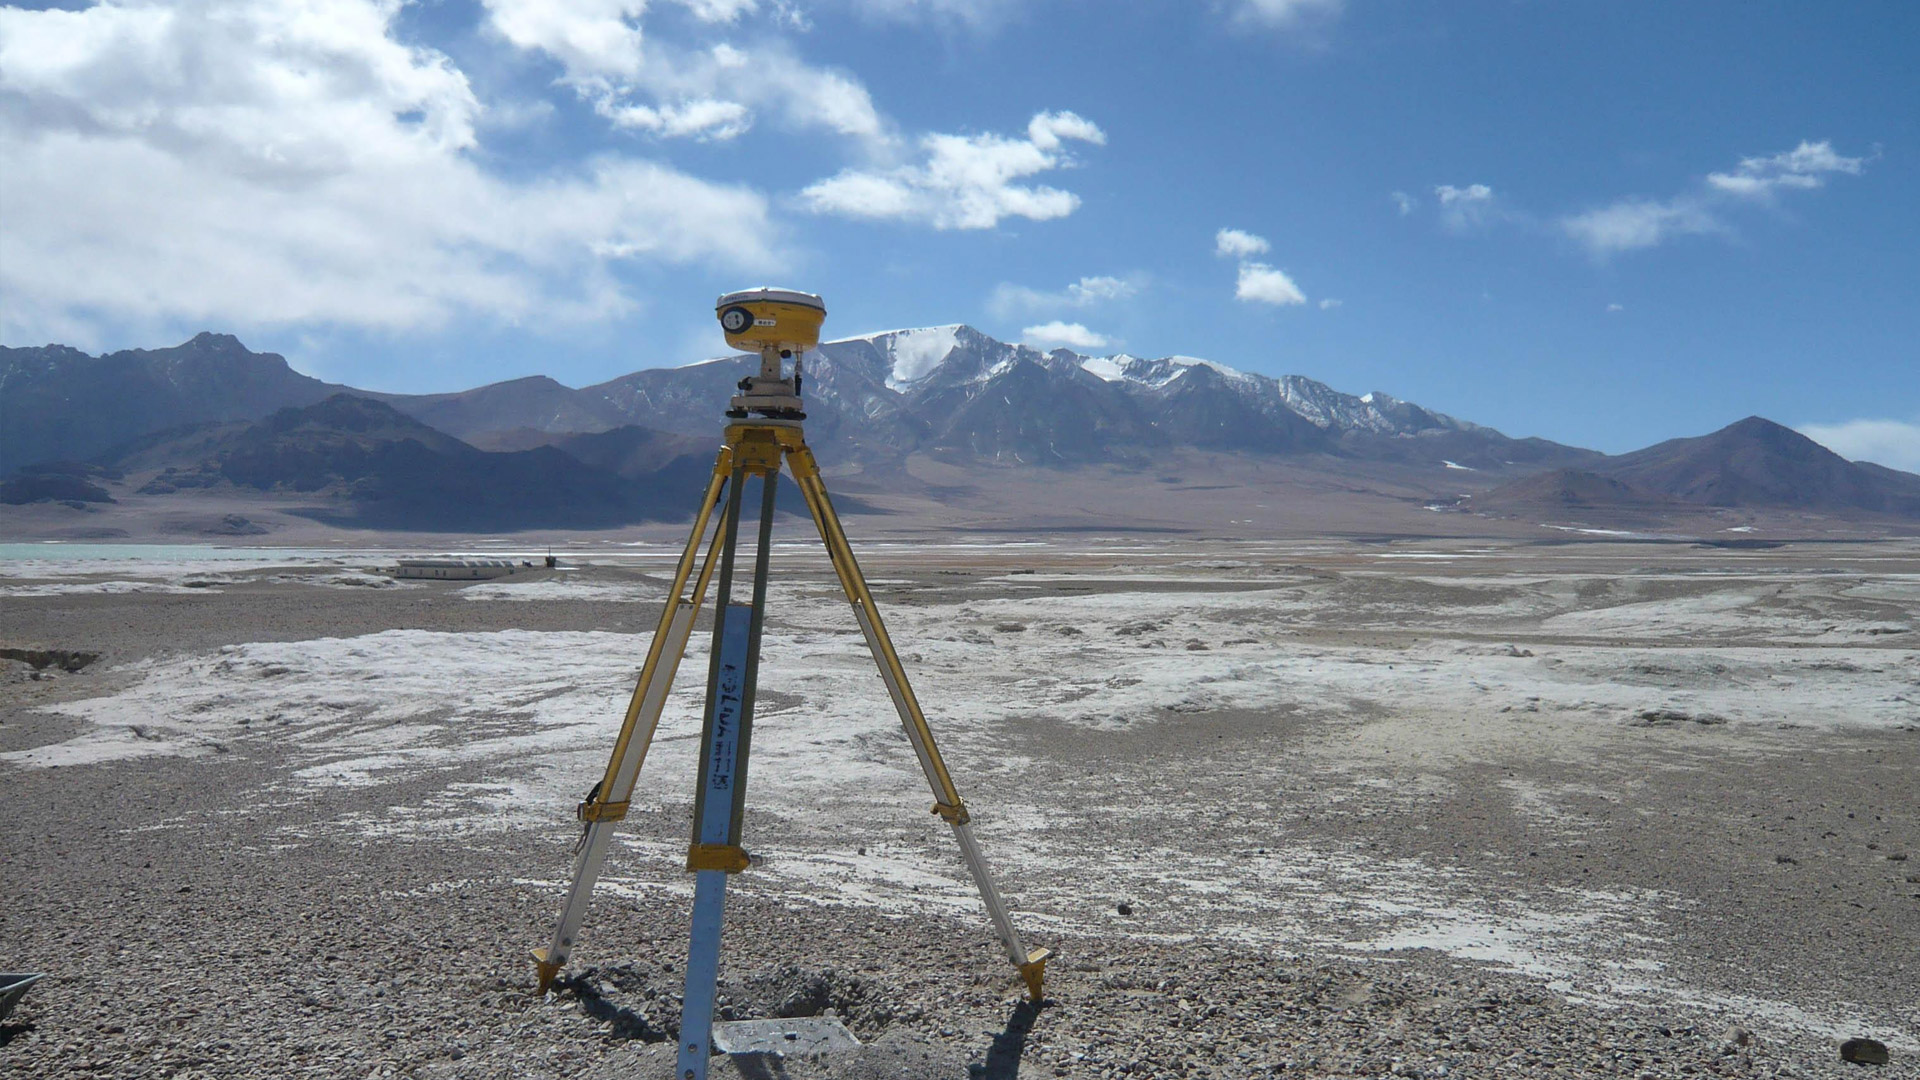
column 365, row 464
column 60, row 403
column 535, row 402
column 948, row 390
column 1753, row 463
column 630, row 448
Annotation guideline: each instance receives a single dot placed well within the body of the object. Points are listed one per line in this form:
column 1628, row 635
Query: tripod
column 765, row 432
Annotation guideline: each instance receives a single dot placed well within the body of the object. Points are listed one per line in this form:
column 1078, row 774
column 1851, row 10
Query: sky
column 1607, row 224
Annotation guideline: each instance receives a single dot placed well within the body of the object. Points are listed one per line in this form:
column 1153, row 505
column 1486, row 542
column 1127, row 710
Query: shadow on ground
column 1003, row 1057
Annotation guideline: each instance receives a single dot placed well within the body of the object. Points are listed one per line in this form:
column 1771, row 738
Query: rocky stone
column 1864, row 1052
column 39, row 659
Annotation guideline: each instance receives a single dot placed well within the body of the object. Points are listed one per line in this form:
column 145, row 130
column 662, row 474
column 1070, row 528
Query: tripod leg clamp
column 601, row 811
column 728, row 857
column 955, row 814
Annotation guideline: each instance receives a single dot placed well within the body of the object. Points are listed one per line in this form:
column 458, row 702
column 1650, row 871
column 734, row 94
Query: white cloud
column 1893, row 443
column 722, row 11
column 771, row 77
column 1638, row 223
column 1093, row 290
column 1257, row 282
column 1462, row 208
column 1285, row 14
column 1264, row 284
column 1088, row 291
column 672, row 89
column 1804, row 167
column 1612, row 308
column 974, row 13
column 1404, row 202
column 1046, row 130
column 283, row 161
column 1471, row 194
column 1329, row 304
column 1072, row 335
column 1635, row 223
column 705, row 118
column 1238, row 244
column 964, row 181
column 594, row 40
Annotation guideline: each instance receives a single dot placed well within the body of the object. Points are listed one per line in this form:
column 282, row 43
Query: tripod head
column 778, row 324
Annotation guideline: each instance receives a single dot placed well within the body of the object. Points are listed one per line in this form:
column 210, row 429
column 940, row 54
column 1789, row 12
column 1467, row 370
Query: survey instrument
column 764, row 432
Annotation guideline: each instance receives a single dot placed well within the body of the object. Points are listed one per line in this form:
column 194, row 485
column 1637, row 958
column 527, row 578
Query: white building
column 454, row 569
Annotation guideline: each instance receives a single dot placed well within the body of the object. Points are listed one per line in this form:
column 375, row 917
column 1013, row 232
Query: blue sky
column 1607, row 224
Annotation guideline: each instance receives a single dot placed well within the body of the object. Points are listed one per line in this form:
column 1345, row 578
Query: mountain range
column 210, row 414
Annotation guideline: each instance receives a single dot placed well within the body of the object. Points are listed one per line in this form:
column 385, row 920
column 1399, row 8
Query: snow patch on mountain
column 915, row 360
column 914, row 354
column 1157, row 372
column 1372, row 411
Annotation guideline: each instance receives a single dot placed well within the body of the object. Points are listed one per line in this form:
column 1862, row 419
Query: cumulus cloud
column 1238, row 244
column 276, row 161
column 1071, row 335
column 1462, row 208
column 1260, row 283
column 1636, row 223
column 1008, row 299
column 705, row 118
column 963, row 181
column 595, row 40
column 1893, row 443
column 1046, row 130
column 1403, row 202
column 674, row 90
column 1804, row 167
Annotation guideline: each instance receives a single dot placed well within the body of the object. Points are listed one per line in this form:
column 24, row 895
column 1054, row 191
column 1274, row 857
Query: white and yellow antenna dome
column 755, row 320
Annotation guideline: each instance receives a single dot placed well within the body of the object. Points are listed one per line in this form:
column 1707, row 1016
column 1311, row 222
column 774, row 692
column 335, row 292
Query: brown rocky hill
column 1756, row 462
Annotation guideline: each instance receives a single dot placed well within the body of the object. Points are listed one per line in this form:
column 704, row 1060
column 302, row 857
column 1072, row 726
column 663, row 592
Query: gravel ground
column 200, row 917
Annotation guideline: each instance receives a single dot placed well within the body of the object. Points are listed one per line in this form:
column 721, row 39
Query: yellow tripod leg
column 611, row 796
column 947, row 804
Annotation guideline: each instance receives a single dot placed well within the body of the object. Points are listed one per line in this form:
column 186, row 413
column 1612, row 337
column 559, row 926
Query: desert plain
column 1447, row 807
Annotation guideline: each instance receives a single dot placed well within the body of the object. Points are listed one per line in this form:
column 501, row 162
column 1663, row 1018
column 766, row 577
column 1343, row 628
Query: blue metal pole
column 719, row 773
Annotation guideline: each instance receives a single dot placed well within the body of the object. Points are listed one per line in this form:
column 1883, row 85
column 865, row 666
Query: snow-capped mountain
column 953, row 389
column 212, row 419
column 954, row 354
column 944, row 390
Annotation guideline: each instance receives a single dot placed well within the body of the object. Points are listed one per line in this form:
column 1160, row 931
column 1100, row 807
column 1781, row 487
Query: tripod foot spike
column 547, row 970
column 1034, row 970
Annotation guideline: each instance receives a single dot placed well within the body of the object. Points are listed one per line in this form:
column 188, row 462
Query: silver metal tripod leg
column 609, row 800
column 937, row 777
column 947, row 804
column 599, row 835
